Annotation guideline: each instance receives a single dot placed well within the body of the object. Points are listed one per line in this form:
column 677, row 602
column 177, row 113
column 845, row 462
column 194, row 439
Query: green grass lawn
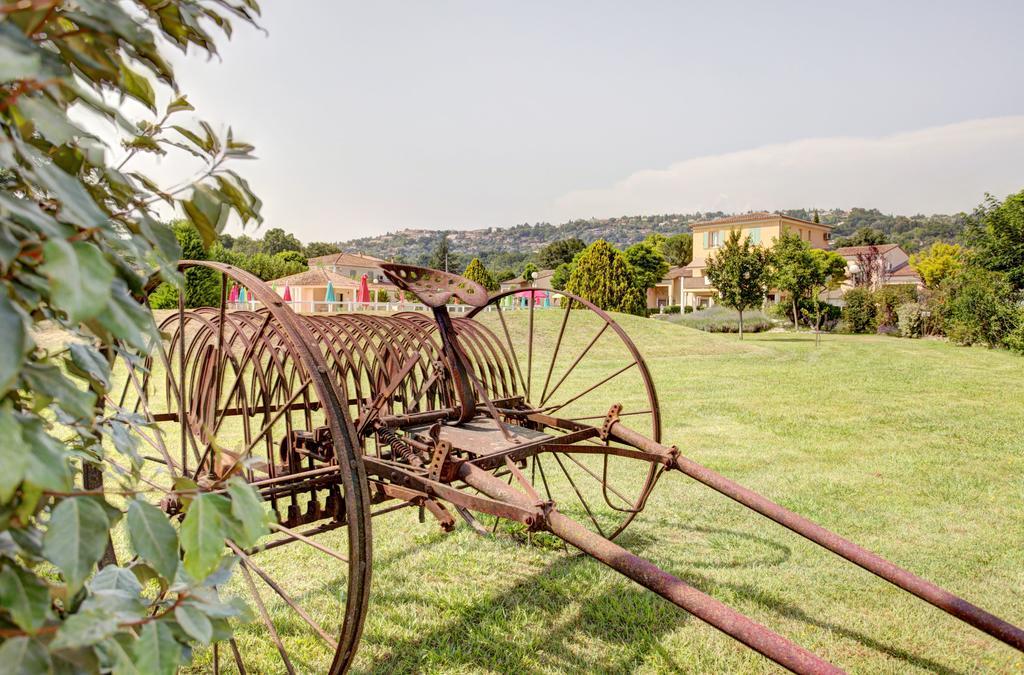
column 910, row 448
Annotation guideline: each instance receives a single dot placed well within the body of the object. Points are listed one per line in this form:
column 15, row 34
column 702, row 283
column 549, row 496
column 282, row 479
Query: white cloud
column 942, row 169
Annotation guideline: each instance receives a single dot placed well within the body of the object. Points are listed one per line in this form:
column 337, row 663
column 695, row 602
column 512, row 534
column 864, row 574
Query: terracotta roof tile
column 353, row 259
column 858, row 250
column 754, row 217
column 317, row 276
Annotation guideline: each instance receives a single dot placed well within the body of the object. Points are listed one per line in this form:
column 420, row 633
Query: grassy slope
column 909, row 448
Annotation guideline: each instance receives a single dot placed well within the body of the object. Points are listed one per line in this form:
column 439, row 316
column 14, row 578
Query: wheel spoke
column 247, row 561
column 603, row 482
column 579, row 495
column 593, row 387
column 266, row 619
column 575, row 363
column 554, row 355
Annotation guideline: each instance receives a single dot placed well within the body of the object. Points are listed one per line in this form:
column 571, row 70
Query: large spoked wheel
column 238, row 393
column 569, row 359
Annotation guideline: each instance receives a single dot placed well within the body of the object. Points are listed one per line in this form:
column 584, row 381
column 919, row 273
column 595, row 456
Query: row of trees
column 972, row 295
column 202, row 286
column 612, row 279
column 743, row 273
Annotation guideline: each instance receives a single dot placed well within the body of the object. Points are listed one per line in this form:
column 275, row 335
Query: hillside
column 501, row 247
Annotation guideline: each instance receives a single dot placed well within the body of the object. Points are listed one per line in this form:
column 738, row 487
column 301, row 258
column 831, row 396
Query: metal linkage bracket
column 610, row 420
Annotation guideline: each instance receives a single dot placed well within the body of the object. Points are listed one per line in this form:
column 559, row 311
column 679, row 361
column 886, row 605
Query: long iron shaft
column 922, row 588
column 648, row 575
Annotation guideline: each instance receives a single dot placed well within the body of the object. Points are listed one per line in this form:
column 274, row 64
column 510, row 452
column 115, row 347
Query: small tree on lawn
column 602, row 276
column 529, row 269
column 740, row 271
column 828, row 269
column 793, row 269
column 476, row 271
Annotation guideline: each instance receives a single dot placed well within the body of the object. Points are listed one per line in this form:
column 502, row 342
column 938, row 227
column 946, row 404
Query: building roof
column 351, row 259
column 904, row 271
column 853, row 251
column 316, row 276
column 674, row 273
column 541, row 274
column 754, row 217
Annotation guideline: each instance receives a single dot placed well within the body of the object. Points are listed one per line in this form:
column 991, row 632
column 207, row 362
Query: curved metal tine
column 178, row 391
column 143, row 400
column 237, row 654
column 593, row 387
column 554, row 355
column 511, row 346
column 267, row 428
column 575, row 363
column 242, row 363
column 247, row 561
column 601, row 481
column 583, row 501
column 266, row 619
column 529, row 354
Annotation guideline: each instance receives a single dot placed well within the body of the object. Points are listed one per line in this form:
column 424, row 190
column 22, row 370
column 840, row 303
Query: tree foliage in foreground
column 79, row 245
column 997, row 237
column 602, row 276
column 740, row 272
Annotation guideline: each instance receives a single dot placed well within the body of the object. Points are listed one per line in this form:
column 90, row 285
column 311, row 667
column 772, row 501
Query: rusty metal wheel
column 225, row 393
column 567, row 358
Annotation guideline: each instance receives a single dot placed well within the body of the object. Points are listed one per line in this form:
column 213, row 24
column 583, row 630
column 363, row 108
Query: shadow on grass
column 489, row 633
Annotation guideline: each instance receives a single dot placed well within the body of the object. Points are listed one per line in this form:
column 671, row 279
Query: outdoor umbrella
column 364, row 290
column 547, row 299
column 329, row 295
column 233, row 296
column 241, row 296
column 287, row 297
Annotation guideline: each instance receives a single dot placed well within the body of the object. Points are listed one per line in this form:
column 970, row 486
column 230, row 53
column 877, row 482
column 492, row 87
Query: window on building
column 755, row 235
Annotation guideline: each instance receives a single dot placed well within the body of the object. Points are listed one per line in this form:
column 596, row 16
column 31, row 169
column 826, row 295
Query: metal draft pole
column 876, row 564
column 675, row 590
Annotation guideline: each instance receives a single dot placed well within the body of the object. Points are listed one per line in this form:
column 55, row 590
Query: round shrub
column 910, row 319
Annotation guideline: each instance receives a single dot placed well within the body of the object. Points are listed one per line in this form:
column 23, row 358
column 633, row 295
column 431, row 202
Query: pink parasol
column 364, row 290
column 233, row 296
column 287, row 297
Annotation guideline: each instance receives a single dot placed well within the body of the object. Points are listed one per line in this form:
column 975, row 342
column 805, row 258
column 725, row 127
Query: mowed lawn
column 913, row 449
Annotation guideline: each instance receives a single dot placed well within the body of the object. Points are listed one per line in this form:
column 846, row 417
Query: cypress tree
column 476, row 271
column 602, row 276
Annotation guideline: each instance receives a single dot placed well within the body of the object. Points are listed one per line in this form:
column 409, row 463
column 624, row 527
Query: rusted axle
column 648, row 575
column 926, row 590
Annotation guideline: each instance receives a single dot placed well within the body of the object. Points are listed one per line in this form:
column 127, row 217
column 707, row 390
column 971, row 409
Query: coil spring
column 387, row 436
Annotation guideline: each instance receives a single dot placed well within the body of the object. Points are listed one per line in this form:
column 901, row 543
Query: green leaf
column 76, row 539
column 84, row 629
column 47, row 464
column 153, row 538
column 26, row 597
column 248, row 509
column 80, row 277
column 13, row 454
column 138, row 87
column 24, row 656
column 49, row 121
column 179, row 104
column 14, row 339
column 125, row 317
column 113, row 578
column 118, row 657
column 156, row 650
column 202, row 534
column 48, row 381
column 194, row 622
column 87, row 362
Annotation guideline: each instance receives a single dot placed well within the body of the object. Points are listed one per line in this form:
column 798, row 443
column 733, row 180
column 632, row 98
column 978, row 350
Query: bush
column 830, row 314
column 981, row 307
column 688, row 310
column 859, row 314
column 719, row 319
column 910, row 319
column 673, row 309
column 888, row 299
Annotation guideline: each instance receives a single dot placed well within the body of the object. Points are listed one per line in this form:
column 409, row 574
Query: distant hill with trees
column 501, row 248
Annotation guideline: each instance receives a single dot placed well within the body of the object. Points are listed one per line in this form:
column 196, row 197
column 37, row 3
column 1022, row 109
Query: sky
column 373, row 117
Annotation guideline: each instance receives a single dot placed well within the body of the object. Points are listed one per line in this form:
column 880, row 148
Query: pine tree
column 602, row 276
column 476, row 271
column 740, row 273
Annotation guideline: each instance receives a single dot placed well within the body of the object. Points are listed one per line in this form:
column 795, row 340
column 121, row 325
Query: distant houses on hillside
column 689, row 286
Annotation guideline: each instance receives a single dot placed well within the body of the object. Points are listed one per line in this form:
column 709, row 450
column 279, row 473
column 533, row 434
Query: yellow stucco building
column 689, row 286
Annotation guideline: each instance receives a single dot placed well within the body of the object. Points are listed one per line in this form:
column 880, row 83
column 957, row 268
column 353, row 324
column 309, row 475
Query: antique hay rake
column 337, row 419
